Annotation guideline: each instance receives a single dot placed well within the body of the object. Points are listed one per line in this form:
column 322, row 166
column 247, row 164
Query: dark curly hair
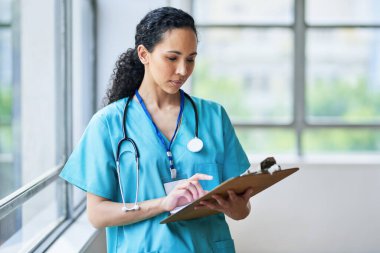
column 129, row 71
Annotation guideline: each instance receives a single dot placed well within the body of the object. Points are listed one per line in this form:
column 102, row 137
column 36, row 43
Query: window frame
column 299, row 26
column 8, row 26
column 14, row 157
column 64, row 84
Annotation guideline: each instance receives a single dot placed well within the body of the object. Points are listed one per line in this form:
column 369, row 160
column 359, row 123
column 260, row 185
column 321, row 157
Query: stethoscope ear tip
column 134, row 208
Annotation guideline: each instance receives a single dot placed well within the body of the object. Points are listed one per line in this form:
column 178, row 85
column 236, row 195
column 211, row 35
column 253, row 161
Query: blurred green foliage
column 5, row 102
column 342, row 140
column 5, row 119
column 345, row 101
column 340, row 101
column 223, row 90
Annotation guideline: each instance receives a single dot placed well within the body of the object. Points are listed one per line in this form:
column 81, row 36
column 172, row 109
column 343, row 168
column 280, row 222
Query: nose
column 182, row 68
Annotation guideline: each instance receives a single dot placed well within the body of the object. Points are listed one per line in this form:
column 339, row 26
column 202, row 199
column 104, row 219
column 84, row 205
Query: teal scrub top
column 92, row 168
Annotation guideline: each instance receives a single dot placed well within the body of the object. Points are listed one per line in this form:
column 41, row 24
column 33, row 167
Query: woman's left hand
column 235, row 206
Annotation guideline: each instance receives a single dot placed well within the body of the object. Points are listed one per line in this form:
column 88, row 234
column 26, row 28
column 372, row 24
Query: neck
column 154, row 96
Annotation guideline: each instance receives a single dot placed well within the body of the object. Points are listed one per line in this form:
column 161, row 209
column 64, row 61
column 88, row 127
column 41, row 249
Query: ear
column 143, row 54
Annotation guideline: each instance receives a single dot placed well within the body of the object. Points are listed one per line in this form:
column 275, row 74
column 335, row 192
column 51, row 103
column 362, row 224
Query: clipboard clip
column 268, row 165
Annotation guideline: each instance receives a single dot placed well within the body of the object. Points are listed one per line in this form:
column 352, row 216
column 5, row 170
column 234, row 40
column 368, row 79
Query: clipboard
column 257, row 181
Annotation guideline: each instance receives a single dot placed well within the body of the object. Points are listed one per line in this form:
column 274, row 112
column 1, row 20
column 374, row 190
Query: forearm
column 106, row 213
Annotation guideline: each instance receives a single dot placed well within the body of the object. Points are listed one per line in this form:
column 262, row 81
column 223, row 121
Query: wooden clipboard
column 258, row 182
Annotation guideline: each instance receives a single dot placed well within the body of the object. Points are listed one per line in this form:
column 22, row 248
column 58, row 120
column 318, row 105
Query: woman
column 172, row 170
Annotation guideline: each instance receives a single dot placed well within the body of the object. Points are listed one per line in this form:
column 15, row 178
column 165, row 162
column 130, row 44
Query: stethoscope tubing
column 137, row 154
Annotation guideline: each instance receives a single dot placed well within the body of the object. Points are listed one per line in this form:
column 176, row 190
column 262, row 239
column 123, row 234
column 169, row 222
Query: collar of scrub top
column 173, row 171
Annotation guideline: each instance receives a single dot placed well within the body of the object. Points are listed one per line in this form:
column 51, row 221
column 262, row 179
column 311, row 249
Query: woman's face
column 172, row 60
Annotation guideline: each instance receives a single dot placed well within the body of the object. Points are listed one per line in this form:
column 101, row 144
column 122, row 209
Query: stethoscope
column 194, row 145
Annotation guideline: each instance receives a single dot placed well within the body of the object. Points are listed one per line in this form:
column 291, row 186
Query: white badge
column 195, row 145
column 173, row 173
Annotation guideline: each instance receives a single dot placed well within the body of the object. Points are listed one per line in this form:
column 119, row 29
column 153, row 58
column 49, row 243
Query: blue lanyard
column 158, row 133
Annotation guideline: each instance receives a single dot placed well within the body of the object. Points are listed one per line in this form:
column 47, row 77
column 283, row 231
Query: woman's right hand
column 185, row 192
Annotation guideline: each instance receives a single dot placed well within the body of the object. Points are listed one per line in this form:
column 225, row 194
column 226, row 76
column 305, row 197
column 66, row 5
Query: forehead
column 180, row 39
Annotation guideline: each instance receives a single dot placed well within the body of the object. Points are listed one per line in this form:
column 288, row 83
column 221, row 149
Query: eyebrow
column 179, row 53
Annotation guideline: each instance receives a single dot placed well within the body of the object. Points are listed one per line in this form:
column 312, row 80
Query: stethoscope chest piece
column 195, row 145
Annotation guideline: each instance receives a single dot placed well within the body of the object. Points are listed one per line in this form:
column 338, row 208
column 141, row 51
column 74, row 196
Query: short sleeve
column 91, row 166
column 235, row 159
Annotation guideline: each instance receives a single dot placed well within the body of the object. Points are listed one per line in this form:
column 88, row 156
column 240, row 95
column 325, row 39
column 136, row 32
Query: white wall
column 321, row 208
column 116, row 26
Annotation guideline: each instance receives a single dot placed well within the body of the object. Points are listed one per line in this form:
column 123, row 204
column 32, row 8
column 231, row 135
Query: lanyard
column 173, row 171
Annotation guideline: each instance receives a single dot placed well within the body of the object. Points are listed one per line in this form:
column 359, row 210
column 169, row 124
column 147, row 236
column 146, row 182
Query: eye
column 191, row 60
column 172, row 58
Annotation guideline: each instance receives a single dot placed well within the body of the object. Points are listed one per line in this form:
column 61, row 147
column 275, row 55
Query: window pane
column 5, row 140
column 5, row 105
column 243, row 11
column 7, row 172
column 248, row 71
column 35, row 102
column 5, row 59
column 28, row 223
column 39, row 103
column 5, row 77
column 5, row 11
column 343, row 11
column 342, row 141
column 83, row 49
column 267, row 141
column 78, row 196
column 343, row 77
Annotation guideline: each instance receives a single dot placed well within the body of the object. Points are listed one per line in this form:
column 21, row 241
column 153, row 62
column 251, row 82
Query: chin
column 172, row 89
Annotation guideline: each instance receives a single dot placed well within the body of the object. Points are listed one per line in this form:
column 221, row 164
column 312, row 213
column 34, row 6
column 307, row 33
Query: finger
column 200, row 176
column 199, row 188
column 200, row 207
column 232, row 195
column 183, row 185
column 183, row 194
column 193, row 190
column 211, row 206
column 248, row 194
column 221, row 201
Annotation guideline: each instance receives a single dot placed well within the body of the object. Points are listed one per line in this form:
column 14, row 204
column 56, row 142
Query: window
column 342, row 77
column 6, row 138
column 7, row 165
column 38, row 123
column 297, row 78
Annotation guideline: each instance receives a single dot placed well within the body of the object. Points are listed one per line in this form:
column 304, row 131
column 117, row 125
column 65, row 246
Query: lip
column 177, row 82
